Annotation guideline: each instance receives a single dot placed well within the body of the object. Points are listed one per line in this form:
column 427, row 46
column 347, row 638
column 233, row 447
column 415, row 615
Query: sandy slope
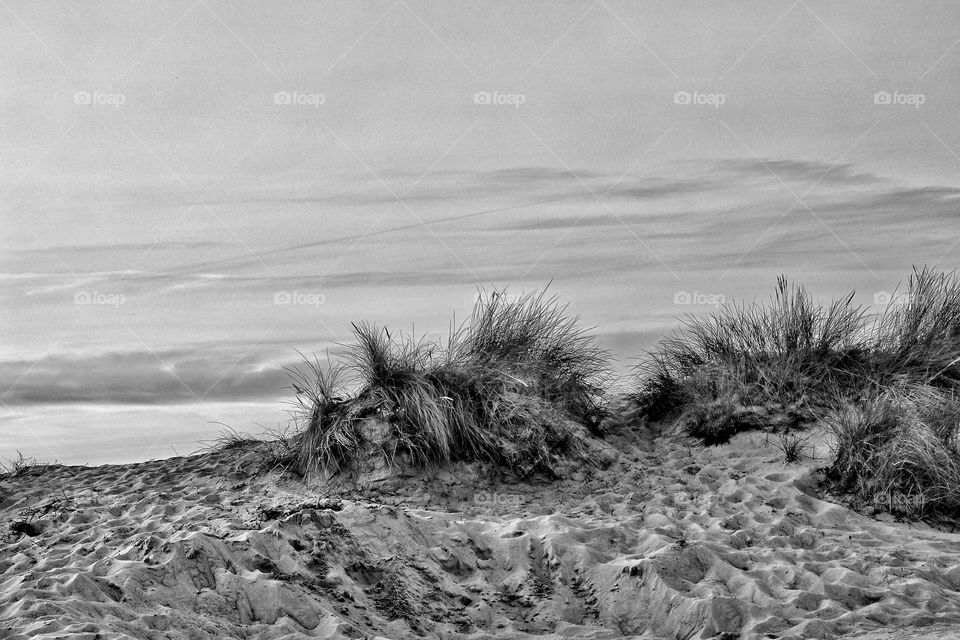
column 671, row 540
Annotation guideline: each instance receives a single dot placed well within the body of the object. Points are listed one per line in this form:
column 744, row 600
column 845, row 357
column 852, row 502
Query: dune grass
column 730, row 371
column 509, row 387
column 897, row 450
column 918, row 337
column 521, row 384
column 886, row 387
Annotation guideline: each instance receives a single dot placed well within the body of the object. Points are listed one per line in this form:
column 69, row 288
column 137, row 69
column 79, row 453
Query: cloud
column 140, row 247
column 222, row 372
column 801, row 171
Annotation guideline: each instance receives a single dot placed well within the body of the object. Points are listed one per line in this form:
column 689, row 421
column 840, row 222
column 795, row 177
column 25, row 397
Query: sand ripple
column 671, row 540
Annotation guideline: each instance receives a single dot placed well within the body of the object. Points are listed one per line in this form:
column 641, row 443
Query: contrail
column 254, row 257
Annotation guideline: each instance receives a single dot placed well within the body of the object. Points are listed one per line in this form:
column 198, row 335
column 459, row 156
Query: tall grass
column 919, row 335
column 887, row 387
column 786, row 353
column 316, row 402
column 504, row 388
column 536, row 339
column 897, row 450
column 896, row 445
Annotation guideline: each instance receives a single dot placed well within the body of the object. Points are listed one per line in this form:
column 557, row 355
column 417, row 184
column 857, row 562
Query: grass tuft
column 507, row 387
column 790, row 353
column 897, row 450
column 535, row 338
column 19, row 467
column 887, row 387
column 918, row 337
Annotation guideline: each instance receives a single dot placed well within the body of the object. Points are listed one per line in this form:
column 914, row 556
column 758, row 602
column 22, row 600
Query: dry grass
column 919, row 335
column 790, row 353
column 504, row 389
column 887, row 388
column 897, row 450
column 535, row 338
column 276, row 447
column 19, row 467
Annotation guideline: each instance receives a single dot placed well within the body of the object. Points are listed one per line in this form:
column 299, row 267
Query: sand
column 670, row 540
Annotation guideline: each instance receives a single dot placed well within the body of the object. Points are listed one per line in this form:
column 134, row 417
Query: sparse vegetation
column 792, row 445
column 276, row 447
column 18, row 467
column 513, row 385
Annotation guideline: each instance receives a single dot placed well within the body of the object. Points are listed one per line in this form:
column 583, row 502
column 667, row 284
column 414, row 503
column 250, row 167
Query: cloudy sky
column 190, row 191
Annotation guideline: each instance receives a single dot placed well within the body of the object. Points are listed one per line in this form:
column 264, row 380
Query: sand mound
column 670, row 540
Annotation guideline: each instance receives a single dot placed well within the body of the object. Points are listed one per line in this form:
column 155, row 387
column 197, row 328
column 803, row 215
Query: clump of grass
column 18, row 467
column 537, row 339
column 276, row 447
column 896, row 444
column 230, row 438
column 317, row 391
column 897, row 450
column 792, row 445
column 504, row 388
column 790, row 353
column 888, row 389
column 919, row 334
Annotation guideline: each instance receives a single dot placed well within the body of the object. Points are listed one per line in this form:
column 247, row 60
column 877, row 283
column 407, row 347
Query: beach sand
column 670, row 539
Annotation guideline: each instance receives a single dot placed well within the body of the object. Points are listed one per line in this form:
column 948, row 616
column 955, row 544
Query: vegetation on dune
column 19, row 467
column 918, row 338
column 897, row 450
column 513, row 385
column 745, row 365
column 521, row 384
column 886, row 387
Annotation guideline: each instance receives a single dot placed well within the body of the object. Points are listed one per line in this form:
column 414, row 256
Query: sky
column 191, row 192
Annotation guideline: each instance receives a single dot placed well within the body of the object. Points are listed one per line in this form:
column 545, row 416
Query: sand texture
column 670, row 540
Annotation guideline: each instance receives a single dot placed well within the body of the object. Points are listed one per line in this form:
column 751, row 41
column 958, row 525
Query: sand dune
column 670, row 540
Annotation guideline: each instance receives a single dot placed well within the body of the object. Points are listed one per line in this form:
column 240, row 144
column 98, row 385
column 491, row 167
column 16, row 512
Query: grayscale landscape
column 475, row 320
